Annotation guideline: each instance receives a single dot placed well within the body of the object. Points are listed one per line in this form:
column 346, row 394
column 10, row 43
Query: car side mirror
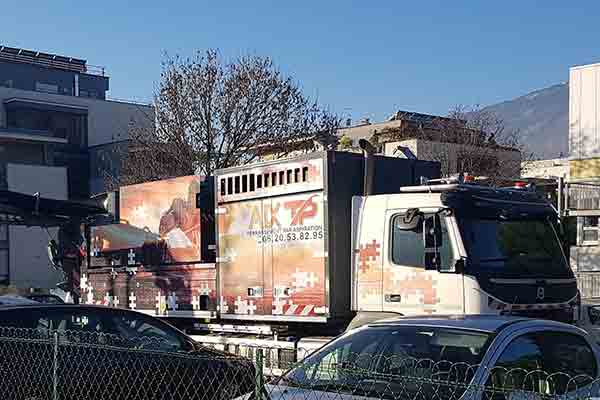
column 594, row 314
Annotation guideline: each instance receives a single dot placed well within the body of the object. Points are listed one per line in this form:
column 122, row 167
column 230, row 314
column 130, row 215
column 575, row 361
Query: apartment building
column 584, row 180
column 431, row 137
column 58, row 130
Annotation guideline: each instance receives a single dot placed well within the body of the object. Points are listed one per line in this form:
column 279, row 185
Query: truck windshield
column 524, row 246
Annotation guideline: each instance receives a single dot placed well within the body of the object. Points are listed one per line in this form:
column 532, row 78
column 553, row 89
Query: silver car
column 474, row 357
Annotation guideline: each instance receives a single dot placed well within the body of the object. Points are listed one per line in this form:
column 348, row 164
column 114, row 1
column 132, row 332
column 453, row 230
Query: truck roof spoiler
column 463, row 187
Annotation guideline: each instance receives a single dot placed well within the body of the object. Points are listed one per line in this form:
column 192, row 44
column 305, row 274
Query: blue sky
column 362, row 58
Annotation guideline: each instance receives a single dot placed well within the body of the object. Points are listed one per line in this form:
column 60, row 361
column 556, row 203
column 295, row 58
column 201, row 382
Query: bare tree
column 212, row 114
column 471, row 141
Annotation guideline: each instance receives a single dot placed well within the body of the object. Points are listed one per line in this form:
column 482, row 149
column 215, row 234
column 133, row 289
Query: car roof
column 485, row 323
column 35, row 305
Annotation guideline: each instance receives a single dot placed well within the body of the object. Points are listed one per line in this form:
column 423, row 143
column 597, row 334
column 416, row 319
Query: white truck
column 307, row 247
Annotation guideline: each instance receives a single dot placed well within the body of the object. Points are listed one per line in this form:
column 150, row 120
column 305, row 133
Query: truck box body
column 151, row 258
column 283, row 240
column 284, row 236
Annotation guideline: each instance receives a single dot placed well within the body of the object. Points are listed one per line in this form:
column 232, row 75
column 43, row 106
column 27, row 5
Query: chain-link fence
column 43, row 364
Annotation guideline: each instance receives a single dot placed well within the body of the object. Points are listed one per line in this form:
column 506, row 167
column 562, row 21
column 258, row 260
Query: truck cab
column 459, row 248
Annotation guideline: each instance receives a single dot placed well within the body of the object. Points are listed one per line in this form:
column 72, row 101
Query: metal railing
column 52, row 61
column 588, row 284
column 50, row 364
column 583, row 196
column 34, row 132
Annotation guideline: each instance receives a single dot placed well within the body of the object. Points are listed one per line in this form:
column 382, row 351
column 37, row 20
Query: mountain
column 542, row 119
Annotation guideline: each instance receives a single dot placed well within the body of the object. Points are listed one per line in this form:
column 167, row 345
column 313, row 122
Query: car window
column 328, row 368
column 408, row 248
column 566, row 352
column 19, row 319
column 77, row 321
column 523, row 353
column 543, row 362
column 511, row 371
column 149, row 333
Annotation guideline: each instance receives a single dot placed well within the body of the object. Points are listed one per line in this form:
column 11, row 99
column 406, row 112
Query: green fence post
column 55, row 368
column 258, row 376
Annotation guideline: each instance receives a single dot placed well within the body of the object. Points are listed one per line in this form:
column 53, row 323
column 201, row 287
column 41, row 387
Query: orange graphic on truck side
column 272, row 256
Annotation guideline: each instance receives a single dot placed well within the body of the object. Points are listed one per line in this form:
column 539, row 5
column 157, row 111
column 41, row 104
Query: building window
column 589, row 230
column 88, row 93
column 72, row 127
column 46, row 87
column 4, row 268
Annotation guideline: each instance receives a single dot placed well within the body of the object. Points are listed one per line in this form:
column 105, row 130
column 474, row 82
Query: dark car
column 96, row 352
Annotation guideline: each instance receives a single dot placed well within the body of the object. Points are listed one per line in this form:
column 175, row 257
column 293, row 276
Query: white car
column 469, row 357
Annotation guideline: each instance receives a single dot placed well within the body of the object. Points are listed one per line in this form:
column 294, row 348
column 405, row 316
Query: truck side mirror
column 411, row 221
column 432, row 232
column 432, row 260
column 432, row 241
column 54, row 254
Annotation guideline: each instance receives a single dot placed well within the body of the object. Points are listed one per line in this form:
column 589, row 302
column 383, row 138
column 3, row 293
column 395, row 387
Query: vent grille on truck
column 250, row 182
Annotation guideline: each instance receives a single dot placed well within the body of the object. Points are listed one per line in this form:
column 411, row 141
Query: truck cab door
column 409, row 287
column 368, row 220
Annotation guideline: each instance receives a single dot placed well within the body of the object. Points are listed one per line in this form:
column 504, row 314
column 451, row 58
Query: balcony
column 18, row 103
column 29, row 135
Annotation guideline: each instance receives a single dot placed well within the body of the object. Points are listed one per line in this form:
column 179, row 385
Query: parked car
column 477, row 357
column 104, row 352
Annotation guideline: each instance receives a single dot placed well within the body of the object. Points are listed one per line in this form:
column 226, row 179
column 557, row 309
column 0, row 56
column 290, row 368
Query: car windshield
column 393, row 362
column 520, row 246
